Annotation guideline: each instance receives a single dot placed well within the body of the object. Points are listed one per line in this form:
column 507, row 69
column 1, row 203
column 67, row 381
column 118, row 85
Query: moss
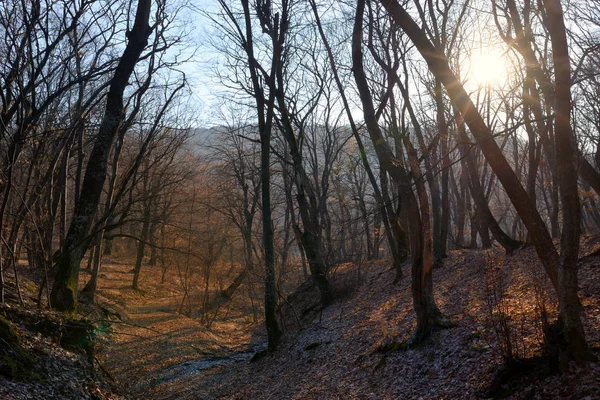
column 16, row 362
column 30, row 286
column 69, row 331
column 64, row 296
column 8, row 332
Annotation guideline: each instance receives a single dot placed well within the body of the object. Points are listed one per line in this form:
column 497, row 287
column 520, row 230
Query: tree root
column 423, row 333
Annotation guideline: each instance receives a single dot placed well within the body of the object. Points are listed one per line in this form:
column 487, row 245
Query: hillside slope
column 339, row 353
column 350, row 350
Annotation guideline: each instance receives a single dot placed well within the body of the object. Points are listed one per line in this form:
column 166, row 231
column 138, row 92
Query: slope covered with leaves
column 352, row 349
column 50, row 355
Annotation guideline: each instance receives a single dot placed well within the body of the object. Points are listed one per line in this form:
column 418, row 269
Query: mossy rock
column 69, row 331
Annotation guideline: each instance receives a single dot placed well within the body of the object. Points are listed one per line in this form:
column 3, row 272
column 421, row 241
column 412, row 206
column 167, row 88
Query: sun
column 488, row 67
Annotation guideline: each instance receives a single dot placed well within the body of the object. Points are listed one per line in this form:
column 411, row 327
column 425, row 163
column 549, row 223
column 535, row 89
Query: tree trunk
column 428, row 315
column 440, row 233
column 268, row 241
column 446, row 172
column 140, row 251
column 568, row 301
column 64, row 290
column 432, row 180
column 396, row 235
column 228, row 292
column 153, row 251
column 265, row 110
column 90, row 288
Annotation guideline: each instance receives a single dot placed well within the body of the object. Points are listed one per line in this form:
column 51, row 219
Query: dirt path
column 153, row 348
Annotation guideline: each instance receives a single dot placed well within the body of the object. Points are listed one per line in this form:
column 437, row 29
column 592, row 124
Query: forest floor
column 349, row 350
column 154, row 345
column 340, row 352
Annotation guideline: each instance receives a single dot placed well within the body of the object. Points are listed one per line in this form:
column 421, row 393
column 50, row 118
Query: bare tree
column 428, row 314
column 64, row 290
column 561, row 270
column 262, row 81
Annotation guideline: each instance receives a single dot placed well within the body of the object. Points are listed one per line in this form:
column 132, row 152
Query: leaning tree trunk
column 90, row 287
column 64, row 290
column 562, row 270
column 228, row 292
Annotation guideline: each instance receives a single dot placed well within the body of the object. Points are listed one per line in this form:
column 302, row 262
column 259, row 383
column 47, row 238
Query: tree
column 64, row 290
column 429, row 316
column 35, row 85
column 237, row 172
column 561, row 270
column 262, row 82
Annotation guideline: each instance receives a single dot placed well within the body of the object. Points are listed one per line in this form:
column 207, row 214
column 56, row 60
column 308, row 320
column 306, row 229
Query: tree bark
column 64, row 290
column 265, row 108
column 428, row 314
column 438, row 65
column 568, row 301
column 90, row 288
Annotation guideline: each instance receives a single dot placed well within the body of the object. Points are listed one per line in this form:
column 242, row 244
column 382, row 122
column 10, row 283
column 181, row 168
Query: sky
column 200, row 68
column 207, row 91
